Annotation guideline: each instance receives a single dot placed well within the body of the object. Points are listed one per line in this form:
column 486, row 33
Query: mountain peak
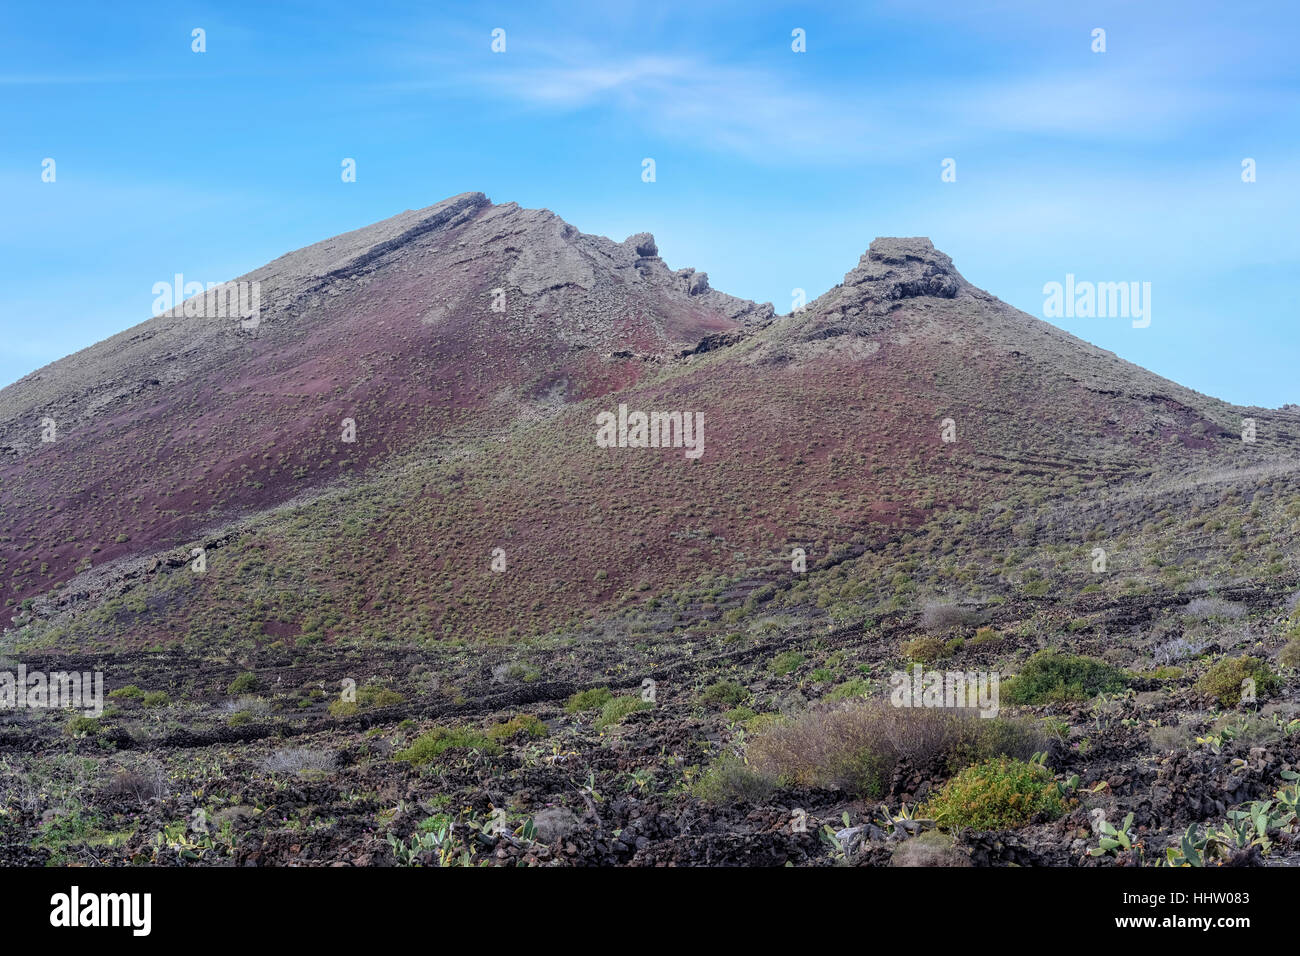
column 903, row 268
column 643, row 244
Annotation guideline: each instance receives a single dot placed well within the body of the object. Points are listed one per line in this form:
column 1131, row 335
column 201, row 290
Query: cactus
column 1189, row 852
column 1112, row 839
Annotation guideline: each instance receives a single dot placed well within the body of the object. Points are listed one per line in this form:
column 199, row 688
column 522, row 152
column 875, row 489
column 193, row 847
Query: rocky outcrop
column 905, row 268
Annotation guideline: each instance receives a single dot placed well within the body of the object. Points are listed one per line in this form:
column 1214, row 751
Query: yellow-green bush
column 520, row 723
column 430, row 745
column 923, row 650
column 1223, row 681
column 617, row 708
column 997, row 794
column 584, row 700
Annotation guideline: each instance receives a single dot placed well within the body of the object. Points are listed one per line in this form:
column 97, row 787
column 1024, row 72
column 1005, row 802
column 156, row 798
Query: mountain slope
column 186, row 421
column 476, row 431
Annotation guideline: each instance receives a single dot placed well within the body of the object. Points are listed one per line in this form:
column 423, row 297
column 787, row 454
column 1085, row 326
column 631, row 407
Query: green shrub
column 1224, row 679
column 239, row 719
column 785, row 663
column 156, row 698
column 1290, row 654
column 725, row 693
column 738, row 715
column 857, row 687
column 377, row 695
column 129, row 692
column 617, row 708
column 344, row 708
column 1165, row 672
column 82, row 726
column 245, row 683
column 985, row 635
column 520, row 723
column 730, row 780
column 997, row 794
column 585, row 700
column 923, row 650
column 1051, row 676
column 431, row 745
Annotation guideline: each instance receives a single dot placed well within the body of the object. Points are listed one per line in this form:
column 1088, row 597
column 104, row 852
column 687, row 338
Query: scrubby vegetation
column 616, row 709
column 245, row 683
column 1229, row 678
column 434, row 743
column 923, row 649
column 996, row 794
column 528, row 724
column 586, row 700
column 1054, row 676
column 856, row 746
column 785, row 663
column 726, row 693
column 1120, row 551
column 1289, row 656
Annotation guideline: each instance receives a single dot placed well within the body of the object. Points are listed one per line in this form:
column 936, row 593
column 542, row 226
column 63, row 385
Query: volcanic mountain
column 405, row 441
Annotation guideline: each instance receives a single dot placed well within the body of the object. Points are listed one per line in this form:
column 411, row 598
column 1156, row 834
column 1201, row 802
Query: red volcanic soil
column 407, row 347
column 820, row 429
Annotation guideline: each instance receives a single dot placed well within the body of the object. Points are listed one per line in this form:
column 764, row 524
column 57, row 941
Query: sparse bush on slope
column 856, row 745
column 938, row 616
column 725, row 693
column 1212, row 608
column 996, row 795
column 431, row 745
column 616, row 708
column 731, row 780
column 1051, row 676
column 585, row 700
column 1289, row 656
column 1226, row 680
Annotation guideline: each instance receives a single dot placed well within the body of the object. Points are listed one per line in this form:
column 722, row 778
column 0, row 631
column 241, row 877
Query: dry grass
column 300, row 760
column 939, row 616
column 1209, row 608
column 856, row 745
column 142, row 784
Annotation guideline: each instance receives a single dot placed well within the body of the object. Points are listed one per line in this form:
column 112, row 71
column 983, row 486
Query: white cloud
column 735, row 108
column 768, row 115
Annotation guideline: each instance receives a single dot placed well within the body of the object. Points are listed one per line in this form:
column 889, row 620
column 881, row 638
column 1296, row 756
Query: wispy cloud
column 739, row 109
column 768, row 114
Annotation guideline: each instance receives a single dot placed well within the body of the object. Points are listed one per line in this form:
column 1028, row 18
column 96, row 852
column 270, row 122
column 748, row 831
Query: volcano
column 416, row 395
column 505, row 523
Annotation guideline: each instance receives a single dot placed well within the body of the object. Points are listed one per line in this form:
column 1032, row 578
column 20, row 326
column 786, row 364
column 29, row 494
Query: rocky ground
column 238, row 762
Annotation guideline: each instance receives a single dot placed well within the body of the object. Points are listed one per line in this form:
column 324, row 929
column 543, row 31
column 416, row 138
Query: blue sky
column 775, row 169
